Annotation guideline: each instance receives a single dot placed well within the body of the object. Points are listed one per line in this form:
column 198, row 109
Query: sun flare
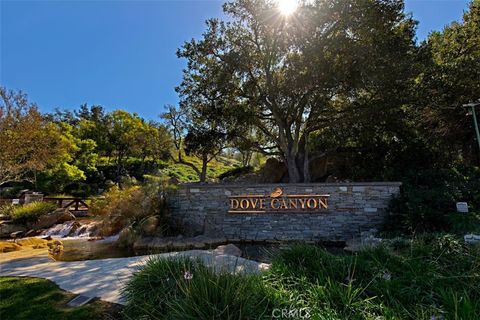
column 287, row 7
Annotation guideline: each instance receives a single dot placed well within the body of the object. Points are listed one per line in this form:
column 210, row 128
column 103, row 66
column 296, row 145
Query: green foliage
column 406, row 284
column 288, row 80
column 185, row 173
column 433, row 276
column 128, row 206
column 31, row 211
column 185, row 289
column 284, row 88
column 236, row 172
column 104, row 146
column 450, row 77
column 464, row 223
column 429, row 196
column 40, row 299
column 30, row 143
column 7, row 209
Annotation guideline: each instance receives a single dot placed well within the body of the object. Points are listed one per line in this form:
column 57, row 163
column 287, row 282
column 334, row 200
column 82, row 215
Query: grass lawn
column 35, row 298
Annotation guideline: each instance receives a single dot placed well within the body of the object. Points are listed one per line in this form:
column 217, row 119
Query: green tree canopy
column 450, row 79
column 291, row 77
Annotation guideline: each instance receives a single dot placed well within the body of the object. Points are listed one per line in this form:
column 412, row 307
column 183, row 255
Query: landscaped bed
column 432, row 277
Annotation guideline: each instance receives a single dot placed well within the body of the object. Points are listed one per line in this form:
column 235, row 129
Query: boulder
column 7, row 246
column 58, row 216
column 7, row 228
column 179, row 245
column 35, row 243
column 273, row 171
column 112, row 225
column 149, row 226
column 150, row 243
column 55, row 247
column 229, row 249
column 33, row 233
column 126, row 237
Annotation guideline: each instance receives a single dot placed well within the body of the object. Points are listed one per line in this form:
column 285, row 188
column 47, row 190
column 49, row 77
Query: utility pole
column 475, row 122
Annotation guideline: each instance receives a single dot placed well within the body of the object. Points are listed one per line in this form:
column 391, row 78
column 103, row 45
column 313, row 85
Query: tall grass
column 186, row 289
column 128, row 206
column 433, row 277
column 31, row 211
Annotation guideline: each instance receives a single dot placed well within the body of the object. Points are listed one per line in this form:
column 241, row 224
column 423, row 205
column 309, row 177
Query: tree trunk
column 293, row 172
column 203, row 175
column 306, row 162
column 119, row 168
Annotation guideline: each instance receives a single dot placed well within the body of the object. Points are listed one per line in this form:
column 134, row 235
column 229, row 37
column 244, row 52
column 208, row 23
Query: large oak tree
column 292, row 76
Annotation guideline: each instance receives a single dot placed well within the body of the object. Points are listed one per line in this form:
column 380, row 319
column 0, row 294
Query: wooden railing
column 78, row 204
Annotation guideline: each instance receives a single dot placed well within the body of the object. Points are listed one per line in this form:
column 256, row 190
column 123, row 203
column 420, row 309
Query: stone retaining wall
column 352, row 208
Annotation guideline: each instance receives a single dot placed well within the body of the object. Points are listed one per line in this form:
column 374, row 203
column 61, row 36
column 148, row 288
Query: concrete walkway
column 104, row 278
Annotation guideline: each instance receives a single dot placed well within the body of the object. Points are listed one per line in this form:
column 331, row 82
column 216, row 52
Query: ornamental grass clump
column 130, row 205
column 186, row 289
column 31, row 211
column 433, row 276
column 437, row 277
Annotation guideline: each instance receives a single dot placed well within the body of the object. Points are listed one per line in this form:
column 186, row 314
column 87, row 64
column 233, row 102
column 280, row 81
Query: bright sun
column 287, row 7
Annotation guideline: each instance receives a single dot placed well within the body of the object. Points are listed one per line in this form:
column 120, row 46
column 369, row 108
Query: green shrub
column 7, row 209
column 464, row 223
column 428, row 197
column 432, row 276
column 435, row 275
column 186, row 289
column 31, row 211
column 128, row 206
column 236, row 172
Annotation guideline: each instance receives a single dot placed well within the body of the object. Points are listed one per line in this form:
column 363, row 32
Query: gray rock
column 58, row 216
column 140, row 244
column 229, row 249
column 6, row 229
column 126, row 237
column 220, row 263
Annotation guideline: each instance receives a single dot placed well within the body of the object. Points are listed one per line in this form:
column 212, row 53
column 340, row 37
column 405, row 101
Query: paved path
column 104, row 278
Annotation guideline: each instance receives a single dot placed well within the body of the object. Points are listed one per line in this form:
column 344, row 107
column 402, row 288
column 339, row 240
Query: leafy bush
column 7, row 209
column 122, row 207
column 236, row 172
column 186, row 289
column 464, row 223
column 31, row 211
column 436, row 276
column 431, row 277
column 428, row 197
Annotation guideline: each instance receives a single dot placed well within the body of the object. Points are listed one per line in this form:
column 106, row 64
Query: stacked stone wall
column 352, row 208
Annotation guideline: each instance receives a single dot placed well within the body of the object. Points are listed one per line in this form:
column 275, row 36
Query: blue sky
column 121, row 54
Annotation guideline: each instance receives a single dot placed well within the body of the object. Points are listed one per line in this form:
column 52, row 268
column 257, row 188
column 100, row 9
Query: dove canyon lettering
column 277, row 201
